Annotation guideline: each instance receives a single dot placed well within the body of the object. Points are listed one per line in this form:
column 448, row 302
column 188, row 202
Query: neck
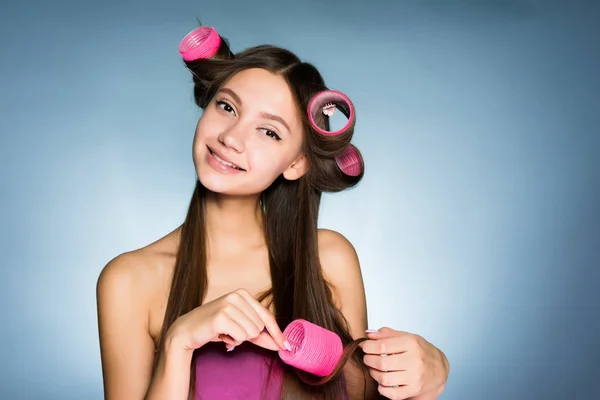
column 233, row 222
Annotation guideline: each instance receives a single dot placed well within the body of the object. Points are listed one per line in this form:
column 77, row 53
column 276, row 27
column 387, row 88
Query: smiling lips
column 220, row 164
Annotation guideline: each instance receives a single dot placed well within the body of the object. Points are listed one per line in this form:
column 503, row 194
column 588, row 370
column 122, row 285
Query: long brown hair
column 291, row 210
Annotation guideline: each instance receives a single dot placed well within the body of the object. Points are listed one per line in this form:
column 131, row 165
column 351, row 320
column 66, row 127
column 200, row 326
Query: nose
column 234, row 138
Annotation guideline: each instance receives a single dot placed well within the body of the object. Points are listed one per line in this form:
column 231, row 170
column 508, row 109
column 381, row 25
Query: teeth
column 225, row 162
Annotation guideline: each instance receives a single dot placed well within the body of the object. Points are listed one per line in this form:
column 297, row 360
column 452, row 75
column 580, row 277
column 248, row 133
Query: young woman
column 200, row 312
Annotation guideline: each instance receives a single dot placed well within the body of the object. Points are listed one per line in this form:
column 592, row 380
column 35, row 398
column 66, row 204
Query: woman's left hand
column 405, row 365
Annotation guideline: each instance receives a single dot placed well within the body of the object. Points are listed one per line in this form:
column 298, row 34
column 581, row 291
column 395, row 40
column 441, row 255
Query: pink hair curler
column 326, row 102
column 201, row 43
column 314, row 349
column 349, row 161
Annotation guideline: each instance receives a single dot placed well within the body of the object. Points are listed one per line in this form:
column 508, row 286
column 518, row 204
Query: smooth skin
column 254, row 124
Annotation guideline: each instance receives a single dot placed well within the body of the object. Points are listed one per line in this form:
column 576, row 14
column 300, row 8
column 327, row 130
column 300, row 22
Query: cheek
column 270, row 162
column 198, row 146
column 197, row 138
column 201, row 129
column 205, row 128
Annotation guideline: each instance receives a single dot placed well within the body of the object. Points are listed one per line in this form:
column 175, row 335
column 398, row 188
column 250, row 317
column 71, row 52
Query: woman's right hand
column 233, row 318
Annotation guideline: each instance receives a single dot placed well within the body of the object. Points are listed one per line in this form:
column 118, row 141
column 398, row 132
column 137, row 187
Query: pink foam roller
column 349, row 161
column 201, row 43
column 325, row 102
column 314, row 349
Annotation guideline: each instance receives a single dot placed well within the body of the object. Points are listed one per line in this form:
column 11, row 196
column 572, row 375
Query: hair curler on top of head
column 202, row 42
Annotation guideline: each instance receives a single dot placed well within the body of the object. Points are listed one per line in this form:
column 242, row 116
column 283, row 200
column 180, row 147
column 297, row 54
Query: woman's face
column 249, row 134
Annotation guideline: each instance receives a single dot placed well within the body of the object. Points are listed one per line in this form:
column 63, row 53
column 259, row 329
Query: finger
column 239, row 299
column 225, row 339
column 265, row 340
column 224, row 325
column 269, row 320
column 388, row 345
column 383, row 333
column 399, row 393
column 394, row 378
column 394, row 362
column 251, row 330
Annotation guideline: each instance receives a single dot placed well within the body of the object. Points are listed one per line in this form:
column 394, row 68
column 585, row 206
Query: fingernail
column 372, row 331
column 230, row 347
column 287, row 345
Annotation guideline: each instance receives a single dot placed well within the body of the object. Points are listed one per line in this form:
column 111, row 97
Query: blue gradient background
column 477, row 223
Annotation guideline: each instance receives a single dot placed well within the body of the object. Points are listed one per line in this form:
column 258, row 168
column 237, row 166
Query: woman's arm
column 171, row 379
column 342, row 270
column 126, row 346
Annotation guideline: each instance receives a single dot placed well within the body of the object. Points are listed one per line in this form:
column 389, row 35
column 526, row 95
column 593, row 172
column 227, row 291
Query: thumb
column 265, row 340
column 383, row 333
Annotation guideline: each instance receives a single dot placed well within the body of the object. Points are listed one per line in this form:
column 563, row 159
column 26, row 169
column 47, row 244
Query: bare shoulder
column 126, row 275
column 337, row 255
column 126, row 291
column 139, row 273
column 341, row 269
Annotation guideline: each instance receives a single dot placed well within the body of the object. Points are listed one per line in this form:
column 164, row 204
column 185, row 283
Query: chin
column 230, row 185
column 218, row 184
column 226, row 185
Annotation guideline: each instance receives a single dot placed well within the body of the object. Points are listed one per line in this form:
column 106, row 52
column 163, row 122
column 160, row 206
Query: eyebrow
column 262, row 114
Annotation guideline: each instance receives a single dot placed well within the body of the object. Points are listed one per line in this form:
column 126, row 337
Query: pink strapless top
column 238, row 374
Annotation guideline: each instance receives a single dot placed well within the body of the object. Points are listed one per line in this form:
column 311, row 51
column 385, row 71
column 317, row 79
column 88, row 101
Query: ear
column 297, row 169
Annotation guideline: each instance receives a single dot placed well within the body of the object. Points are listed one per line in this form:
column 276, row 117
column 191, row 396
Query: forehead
column 263, row 91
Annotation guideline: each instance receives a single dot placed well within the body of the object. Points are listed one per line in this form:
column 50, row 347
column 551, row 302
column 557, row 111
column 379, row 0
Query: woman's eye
column 225, row 106
column 271, row 134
